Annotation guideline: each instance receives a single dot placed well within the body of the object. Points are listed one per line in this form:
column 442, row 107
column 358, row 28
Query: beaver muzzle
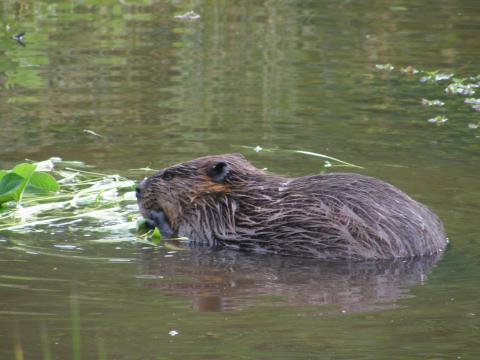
column 155, row 218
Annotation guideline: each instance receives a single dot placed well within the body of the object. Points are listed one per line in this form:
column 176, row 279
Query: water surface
column 275, row 74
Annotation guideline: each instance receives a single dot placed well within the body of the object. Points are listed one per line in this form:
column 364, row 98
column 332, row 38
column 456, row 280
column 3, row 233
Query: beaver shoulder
column 224, row 200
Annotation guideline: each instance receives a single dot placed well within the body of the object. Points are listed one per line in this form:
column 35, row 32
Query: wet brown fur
column 331, row 216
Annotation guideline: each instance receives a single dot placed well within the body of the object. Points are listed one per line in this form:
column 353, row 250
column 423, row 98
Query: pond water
column 304, row 75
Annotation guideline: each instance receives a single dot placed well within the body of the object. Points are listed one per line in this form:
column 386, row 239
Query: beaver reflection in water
column 226, row 201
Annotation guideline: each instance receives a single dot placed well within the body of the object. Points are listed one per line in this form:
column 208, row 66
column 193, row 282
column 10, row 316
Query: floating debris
column 434, row 76
column 473, row 126
column 476, row 108
column 472, row 101
column 91, row 132
column 427, row 102
column 173, row 333
column 19, row 38
column 258, row 148
column 384, row 67
column 189, row 16
column 438, row 120
column 460, row 89
column 65, row 247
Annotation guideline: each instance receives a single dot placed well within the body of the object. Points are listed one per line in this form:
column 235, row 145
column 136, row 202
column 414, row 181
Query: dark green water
column 278, row 74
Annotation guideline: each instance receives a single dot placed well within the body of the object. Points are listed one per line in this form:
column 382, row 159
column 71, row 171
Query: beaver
column 224, row 200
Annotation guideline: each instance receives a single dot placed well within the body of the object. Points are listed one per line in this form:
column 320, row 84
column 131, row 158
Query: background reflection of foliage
column 129, row 70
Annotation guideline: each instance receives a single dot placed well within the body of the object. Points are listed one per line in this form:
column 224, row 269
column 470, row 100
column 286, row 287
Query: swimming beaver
column 225, row 200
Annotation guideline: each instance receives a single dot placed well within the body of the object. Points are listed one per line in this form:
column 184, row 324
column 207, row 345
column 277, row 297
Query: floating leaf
column 11, row 187
column 435, row 76
column 460, row 89
column 427, row 102
column 24, row 170
column 156, row 236
column 44, row 182
column 384, row 67
column 141, row 224
column 472, row 101
column 438, row 120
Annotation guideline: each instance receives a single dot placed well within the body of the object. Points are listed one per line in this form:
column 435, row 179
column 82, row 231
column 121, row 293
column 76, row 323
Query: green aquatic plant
column 427, row 102
column 464, row 86
column 67, row 195
column 458, row 87
column 438, row 120
column 329, row 161
column 435, row 76
column 384, row 67
column 24, row 177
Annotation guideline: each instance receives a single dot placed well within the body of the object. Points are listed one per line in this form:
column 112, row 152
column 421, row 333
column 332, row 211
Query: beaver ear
column 218, row 171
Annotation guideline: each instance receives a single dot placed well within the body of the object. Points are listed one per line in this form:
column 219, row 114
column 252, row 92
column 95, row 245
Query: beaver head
column 225, row 200
column 185, row 191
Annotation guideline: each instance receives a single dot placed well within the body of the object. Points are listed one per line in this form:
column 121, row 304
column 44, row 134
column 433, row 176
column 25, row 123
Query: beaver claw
column 159, row 219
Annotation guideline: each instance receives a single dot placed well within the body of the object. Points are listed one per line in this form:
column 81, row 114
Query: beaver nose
column 138, row 189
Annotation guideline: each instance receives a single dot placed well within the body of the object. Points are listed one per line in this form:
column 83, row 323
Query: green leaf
column 156, row 236
column 24, row 170
column 44, row 182
column 2, row 173
column 141, row 224
column 11, row 187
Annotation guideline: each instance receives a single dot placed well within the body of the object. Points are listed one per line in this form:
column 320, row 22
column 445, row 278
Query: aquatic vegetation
column 438, row 120
column 25, row 178
column 91, row 132
column 460, row 89
column 189, row 16
column 75, row 195
column 427, row 102
column 384, row 67
column 329, row 161
column 464, row 86
column 435, row 76
column 472, row 101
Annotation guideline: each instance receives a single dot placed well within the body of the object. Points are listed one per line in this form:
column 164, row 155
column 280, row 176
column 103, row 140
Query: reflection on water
column 227, row 280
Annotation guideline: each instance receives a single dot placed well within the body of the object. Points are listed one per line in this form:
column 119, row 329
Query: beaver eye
column 167, row 176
